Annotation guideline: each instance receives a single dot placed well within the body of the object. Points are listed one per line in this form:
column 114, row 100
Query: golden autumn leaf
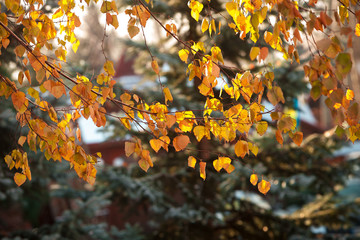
column 199, row 132
column 133, row 31
column 145, row 154
column 167, row 94
column 264, row 51
column 254, row 52
column 155, row 66
column 203, row 170
column 196, row 7
column 165, row 142
column 223, row 162
column 279, row 137
column 109, row 68
column 264, row 186
column 254, row 179
column 19, row 101
column 180, row 142
column 184, row 54
column 204, row 25
column 19, row 178
column 229, row 168
column 21, row 140
column 144, row 165
column 191, row 161
column 349, row 94
column 357, row 29
column 261, row 127
column 241, row 148
column 156, row 144
column 297, row 137
column 129, row 148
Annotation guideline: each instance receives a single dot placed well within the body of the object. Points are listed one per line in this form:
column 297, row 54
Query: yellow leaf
column 204, row 25
column 264, row 186
column 357, row 30
column 222, row 162
column 217, row 165
column 126, row 122
column 203, row 170
column 184, row 54
column 241, row 148
column 349, row 94
column 109, row 68
column 75, row 46
column 196, row 8
column 253, row 148
column 254, row 179
column 254, row 52
column 133, row 31
column 19, row 179
column 199, row 132
column 261, row 127
column 191, row 161
column 155, row 66
column 180, row 142
column 232, row 8
column 168, row 96
column 9, row 161
column 129, row 148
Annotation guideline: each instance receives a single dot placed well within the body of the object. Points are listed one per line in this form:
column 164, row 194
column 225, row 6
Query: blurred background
column 315, row 190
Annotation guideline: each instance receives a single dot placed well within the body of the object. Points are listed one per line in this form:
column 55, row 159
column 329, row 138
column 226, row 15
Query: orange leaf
column 143, row 164
column 254, row 179
column 202, row 170
column 78, row 134
column 133, row 31
column 165, row 142
column 241, row 148
column 129, row 148
column 156, row 144
column 19, row 179
column 168, row 96
column 191, row 161
column 155, row 66
column 180, row 142
column 20, row 102
column 279, row 137
column 263, row 53
column 297, row 138
column 264, row 186
column 145, row 154
column 21, row 140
